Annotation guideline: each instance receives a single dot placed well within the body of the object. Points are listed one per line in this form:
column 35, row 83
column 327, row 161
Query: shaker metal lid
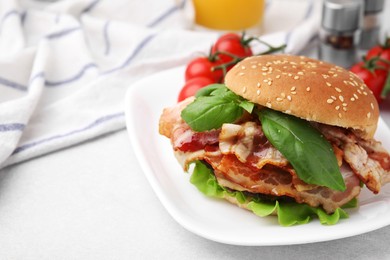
column 371, row 6
column 342, row 15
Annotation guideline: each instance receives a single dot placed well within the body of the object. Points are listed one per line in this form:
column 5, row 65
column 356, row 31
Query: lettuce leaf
column 289, row 213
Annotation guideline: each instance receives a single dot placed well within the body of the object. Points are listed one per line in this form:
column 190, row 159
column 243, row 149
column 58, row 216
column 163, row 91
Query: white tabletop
column 92, row 201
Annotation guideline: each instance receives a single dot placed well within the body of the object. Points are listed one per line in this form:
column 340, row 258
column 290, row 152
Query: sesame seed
column 289, row 74
column 264, row 68
column 258, row 84
column 277, row 76
column 269, row 83
column 352, row 99
column 333, row 97
column 288, row 111
column 244, row 90
column 337, row 107
column 341, row 98
column 328, row 84
column 253, row 66
column 300, row 73
column 293, row 92
column 243, row 67
column 345, row 104
column 372, row 106
column 365, row 93
column 335, row 75
column 340, row 115
column 329, row 101
column 338, row 90
column 296, row 77
column 268, row 104
column 289, row 97
column 258, row 92
column 241, row 73
column 344, row 108
column 282, row 95
column 356, row 96
column 265, row 80
column 308, row 89
column 279, row 99
column 293, row 88
column 368, row 114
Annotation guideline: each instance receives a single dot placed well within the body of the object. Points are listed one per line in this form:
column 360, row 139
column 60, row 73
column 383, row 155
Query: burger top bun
column 307, row 88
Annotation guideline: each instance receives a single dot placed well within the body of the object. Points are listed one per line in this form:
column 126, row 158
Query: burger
column 284, row 135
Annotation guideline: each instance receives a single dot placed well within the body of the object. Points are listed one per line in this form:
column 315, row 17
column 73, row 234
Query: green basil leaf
column 213, row 107
column 305, row 148
column 248, row 106
column 207, row 113
column 206, row 91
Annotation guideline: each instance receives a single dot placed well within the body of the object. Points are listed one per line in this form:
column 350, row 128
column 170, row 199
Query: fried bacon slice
column 368, row 159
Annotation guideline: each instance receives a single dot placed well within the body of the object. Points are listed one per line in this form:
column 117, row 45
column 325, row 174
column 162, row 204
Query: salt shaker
column 371, row 23
column 340, row 31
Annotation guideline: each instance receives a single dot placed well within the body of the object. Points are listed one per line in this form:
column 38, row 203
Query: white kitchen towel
column 65, row 66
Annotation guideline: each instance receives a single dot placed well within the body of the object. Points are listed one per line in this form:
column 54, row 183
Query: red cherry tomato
column 203, row 67
column 233, row 44
column 192, row 86
column 374, row 80
column 383, row 53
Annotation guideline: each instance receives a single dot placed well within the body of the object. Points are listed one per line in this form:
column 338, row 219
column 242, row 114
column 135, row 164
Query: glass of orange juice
column 230, row 15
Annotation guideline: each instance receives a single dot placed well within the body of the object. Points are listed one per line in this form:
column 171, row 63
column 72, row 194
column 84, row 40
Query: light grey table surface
column 92, row 201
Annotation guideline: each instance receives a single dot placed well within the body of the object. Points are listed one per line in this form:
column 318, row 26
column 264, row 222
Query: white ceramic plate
column 215, row 219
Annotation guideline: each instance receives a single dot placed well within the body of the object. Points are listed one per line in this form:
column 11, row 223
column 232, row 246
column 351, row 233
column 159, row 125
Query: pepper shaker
column 371, row 23
column 340, row 31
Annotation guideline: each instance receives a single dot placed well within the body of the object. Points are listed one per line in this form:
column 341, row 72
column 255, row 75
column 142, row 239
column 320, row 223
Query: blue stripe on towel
column 11, row 127
column 77, row 76
column 12, row 84
column 94, row 124
column 64, row 32
column 167, row 13
column 89, row 7
column 137, row 50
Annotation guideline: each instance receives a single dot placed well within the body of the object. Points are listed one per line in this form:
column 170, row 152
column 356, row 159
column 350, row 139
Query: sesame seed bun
column 306, row 88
